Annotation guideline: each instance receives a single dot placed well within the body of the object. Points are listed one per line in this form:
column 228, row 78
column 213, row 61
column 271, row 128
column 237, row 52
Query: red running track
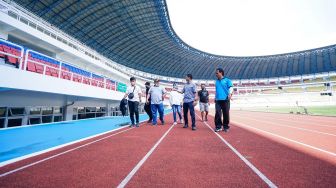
column 185, row 158
column 314, row 135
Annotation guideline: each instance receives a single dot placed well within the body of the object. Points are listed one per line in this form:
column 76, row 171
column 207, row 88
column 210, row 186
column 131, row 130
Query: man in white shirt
column 133, row 94
column 156, row 93
column 176, row 100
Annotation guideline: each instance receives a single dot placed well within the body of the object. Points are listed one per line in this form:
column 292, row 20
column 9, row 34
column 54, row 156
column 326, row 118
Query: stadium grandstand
column 67, row 64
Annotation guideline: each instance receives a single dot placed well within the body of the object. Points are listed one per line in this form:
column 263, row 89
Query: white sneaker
column 181, row 121
column 175, row 123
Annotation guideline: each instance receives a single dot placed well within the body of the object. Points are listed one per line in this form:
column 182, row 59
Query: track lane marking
column 277, row 125
column 59, row 154
column 4, row 163
column 309, row 123
column 143, row 160
column 247, row 162
column 282, row 137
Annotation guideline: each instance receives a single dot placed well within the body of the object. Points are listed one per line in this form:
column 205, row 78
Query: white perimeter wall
column 284, row 99
column 24, row 80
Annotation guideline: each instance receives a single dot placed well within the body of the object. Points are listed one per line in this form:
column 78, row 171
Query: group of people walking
column 186, row 98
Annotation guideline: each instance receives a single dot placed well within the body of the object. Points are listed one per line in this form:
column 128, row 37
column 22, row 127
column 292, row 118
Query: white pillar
column 108, row 109
column 68, row 110
column 3, row 34
column 25, row 117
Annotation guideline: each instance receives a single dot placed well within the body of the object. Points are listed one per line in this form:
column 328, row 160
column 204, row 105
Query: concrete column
column 108, row 109
column 68, row 109
column 3, row 33
column 25, row 117
column 68, row 113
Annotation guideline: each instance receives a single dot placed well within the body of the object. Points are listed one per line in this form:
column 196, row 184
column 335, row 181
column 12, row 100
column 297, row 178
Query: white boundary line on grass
column 59, row 154
column 248, row 163
column 143, row 160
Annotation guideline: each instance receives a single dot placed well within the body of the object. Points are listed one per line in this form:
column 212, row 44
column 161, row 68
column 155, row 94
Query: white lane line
column 310, row 123
column 59, row 154
column 290, row 140
column 54, row 148
column 248, row 163
column 143, row 160
column 277, row 125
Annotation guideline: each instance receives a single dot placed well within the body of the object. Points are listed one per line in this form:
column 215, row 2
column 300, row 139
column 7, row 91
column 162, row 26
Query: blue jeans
column 155, row 108
column 189, row 106
column 176, row 108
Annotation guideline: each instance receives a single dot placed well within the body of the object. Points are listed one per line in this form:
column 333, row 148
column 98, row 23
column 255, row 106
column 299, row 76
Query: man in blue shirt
column 224, row 90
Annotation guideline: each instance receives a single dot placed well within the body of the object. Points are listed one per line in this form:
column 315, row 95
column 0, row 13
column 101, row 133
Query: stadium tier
column 142, row 38
column 42, row 64
column 56, row 40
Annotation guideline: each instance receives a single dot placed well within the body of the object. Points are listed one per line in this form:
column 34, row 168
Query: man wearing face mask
column 147, row 106
column 133, row 93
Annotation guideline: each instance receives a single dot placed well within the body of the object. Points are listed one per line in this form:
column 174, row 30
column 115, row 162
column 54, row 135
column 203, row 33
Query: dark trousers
column 222, row 107
column 148, row 110
column 133, row 107
column 186, row 107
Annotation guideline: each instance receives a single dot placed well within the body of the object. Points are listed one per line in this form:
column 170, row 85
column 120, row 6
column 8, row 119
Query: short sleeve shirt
column 223, row 88
column 203, row 96
column 156, row 94
column 137, row 90
column 189, row 91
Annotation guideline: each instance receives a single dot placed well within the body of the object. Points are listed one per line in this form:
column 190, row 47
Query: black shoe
column 226, row 130
column 162, row 123
column 185, row 126
column 217, row 130
column 149, row 121
column 193, row 128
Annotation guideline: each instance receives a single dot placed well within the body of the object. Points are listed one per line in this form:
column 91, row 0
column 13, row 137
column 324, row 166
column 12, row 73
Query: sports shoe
column 193, row 128
column 132, row 125
column 149, row 121
column 185, row 126
column 175, row 123
column 137, row 125
column 226, row 130
column 181, row 121
column 162, row 123
column 217, row 130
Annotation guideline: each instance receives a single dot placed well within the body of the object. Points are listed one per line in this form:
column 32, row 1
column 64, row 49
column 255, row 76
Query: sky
column 254, row 27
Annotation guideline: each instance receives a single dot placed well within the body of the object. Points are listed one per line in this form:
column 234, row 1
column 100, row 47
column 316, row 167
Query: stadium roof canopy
column 138, row 34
